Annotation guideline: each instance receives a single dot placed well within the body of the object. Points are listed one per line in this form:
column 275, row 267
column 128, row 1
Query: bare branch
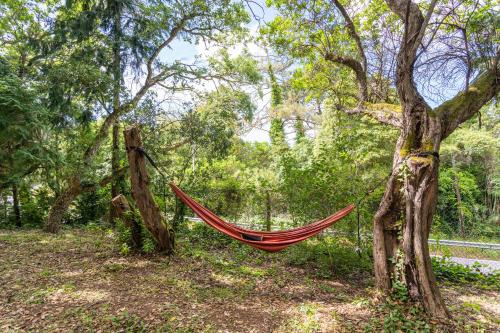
column 421, row 33
column 173, row 33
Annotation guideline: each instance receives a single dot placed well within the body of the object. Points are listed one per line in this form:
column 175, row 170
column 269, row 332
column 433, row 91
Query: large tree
column 455, row 40
column 184, row 21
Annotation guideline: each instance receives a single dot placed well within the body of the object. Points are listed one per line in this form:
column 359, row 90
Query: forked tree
column 403, row 220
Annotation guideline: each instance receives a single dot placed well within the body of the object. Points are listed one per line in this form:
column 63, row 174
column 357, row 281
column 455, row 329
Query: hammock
column 271, row 241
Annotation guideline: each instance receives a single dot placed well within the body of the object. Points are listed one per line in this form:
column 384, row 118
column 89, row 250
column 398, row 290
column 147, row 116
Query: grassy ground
column 78, row 281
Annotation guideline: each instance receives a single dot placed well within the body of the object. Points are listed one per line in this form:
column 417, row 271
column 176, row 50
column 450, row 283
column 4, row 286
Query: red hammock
column 271, row 241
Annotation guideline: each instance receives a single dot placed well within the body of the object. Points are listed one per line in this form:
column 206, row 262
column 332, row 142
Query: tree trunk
column 61, row 205
column 180, row 211
column 17, row 210
column 268, row 211
column 115, row 166
column 117, row 78
column 458, row 194
column 421, row 188
column 143, row 197
column 416, row 162
column 385, row 227
column 66, row 197
column 125, row 214
column 5, row 214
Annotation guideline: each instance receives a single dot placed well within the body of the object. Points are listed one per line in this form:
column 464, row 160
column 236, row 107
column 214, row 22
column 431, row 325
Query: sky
column 187, row 53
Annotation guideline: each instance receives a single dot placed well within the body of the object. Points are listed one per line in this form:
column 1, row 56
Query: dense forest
column 271, row 114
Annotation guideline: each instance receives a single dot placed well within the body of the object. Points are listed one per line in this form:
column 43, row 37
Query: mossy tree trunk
column 404, row 218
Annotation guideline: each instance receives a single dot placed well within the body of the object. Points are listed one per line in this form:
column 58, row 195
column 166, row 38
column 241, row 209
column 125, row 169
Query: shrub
column 447, row 270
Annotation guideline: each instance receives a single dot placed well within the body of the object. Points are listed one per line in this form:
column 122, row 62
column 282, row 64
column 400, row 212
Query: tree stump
column 125, row 214
column 143, row 197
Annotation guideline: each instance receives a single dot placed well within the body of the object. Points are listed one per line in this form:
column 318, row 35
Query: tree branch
column 173, row 33
column 413, row 19
column 468, row 102
column 357, row 67
column 351, row 29
column 384, row 113
column 421, row 33
column 104, row 181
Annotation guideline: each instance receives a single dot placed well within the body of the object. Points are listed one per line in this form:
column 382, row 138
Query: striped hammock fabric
column 271, row 241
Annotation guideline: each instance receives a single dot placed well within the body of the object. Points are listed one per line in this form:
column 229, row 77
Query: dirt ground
column 78, row 281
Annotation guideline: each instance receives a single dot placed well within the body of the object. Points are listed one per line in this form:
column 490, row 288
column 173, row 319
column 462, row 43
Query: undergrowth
column 448, row 270
column 328, row 256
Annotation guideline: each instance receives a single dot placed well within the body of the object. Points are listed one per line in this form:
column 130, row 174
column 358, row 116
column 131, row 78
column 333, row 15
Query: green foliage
column 91, row 207
column 124, row 236
column 393, row 317
column 34, row 205
column 148, row 242
column 124, row 239
column 331, row 256
column 23, row 122
column 470, row 159
column 448, row 270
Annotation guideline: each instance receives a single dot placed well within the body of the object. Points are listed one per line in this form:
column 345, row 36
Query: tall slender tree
column 277, row 129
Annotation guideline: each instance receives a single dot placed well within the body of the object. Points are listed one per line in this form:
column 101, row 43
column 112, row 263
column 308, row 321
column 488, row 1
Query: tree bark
column 458, row 194
column 420, row 189
column 61, row 205
column 125, row 214
column 115, row 166
column 419, row 169
column 117, row 79
column 17, row 209
column 386, row 232
column 143, row 197
column 268, row 211
column 65, row 198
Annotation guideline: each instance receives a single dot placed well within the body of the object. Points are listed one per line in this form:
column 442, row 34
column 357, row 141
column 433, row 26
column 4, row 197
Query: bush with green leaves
column 448, row 270
column 124, row 235
column 331, row 256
